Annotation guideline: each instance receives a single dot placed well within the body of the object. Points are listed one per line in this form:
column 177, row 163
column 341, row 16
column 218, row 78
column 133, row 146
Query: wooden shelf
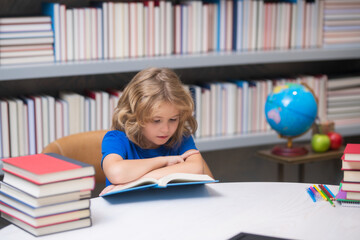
column 64, row 69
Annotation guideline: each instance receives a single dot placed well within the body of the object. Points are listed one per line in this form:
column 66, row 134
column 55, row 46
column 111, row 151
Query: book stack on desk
column 46, row 193
column 26, row 40
column 350, row 185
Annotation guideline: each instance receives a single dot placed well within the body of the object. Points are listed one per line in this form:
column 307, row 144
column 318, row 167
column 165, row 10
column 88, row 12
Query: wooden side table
column 301, row 160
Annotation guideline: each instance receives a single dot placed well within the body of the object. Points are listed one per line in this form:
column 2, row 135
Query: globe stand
column 289, row 150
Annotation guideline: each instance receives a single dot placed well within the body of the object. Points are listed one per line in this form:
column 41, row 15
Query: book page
column 183, row 177
column 137, row 183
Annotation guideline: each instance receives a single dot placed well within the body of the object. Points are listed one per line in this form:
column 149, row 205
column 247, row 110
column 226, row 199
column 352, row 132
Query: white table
column 214, row 211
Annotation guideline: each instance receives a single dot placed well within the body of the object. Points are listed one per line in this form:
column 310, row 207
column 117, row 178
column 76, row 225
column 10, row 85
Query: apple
column 320, row 142
column 336, row 140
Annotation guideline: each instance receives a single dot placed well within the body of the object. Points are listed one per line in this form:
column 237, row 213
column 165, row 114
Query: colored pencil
column 333, row 196
column 326, row 196
column 311, row 194
column 325, row 191
column 320, row 192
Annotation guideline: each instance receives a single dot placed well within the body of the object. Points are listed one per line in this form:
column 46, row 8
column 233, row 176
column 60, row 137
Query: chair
column 86, row 147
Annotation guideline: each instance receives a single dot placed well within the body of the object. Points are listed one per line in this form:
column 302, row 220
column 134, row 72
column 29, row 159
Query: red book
column 352, row 152
column 350, row 164
column 47, row 168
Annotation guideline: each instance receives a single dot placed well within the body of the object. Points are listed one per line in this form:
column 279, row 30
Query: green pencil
column 327, row 197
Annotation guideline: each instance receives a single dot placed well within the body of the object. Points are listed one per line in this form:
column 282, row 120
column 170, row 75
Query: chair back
column 84, row 147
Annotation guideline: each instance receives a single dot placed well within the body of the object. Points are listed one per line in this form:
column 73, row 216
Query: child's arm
column 120, row 171
column 193, row 164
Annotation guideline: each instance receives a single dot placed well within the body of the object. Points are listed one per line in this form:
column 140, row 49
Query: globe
column 290, row 110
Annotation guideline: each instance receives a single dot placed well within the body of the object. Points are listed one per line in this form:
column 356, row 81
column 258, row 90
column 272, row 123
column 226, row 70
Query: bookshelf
column 43, row 76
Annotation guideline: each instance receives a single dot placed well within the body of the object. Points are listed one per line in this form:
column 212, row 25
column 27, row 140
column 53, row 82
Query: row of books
column 28, row 124
column 26, row 40
column 341, row 24
column 344, row 100
column 46, row 193
column 137, row 29
column 109, row 30
column 349, row 192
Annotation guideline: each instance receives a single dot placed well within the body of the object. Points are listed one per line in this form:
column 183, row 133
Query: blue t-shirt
column 117, row 142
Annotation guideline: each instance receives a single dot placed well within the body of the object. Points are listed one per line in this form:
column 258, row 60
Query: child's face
column 162, row 126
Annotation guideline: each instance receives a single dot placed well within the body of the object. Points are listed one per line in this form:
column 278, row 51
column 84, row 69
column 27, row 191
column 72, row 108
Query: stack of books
column 46, row 193
column 343, row 100
column 26, row 40
column 341, row 24
column 349, row 193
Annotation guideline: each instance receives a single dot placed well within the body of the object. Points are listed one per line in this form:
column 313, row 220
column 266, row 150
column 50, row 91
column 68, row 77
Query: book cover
column 350, row 164
column 49, row 189
column 53, row 10
column 40, row 231
column 341, row 196
column 175, row 179
column 352, row 151
column 47, row 168
column 34, row 202
column 43, row 211
column 46, row 220
column 350, row 186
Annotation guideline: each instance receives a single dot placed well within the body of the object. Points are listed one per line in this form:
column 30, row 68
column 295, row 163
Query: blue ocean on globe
column 291, row 109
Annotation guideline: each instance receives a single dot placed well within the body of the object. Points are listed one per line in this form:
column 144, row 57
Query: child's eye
column 156, row 120
column 173, row 119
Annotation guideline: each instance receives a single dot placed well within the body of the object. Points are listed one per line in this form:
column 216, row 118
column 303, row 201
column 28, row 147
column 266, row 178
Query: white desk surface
column 214, row 211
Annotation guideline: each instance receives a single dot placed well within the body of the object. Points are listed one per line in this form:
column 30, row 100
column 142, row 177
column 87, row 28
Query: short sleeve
column 187, row 144
column 114, row 142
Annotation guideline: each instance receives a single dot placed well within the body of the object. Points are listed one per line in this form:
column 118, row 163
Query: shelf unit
column 65, row 69
column 193, row 61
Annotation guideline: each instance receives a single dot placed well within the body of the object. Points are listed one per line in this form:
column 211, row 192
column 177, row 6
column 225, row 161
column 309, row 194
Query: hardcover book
column 34, row 202
column 45, row 210
column 47, row 168
column 342, row 196
column 45, row 230
column 49, row 189
column 45, row 220
column 352, row 151
column 175, row 179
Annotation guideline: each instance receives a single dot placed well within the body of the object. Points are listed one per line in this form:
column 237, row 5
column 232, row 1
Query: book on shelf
column 26, row 60
column 352, row 152
column 37, row 212
column 32, row 201
column 22, row 20
column 25, row 27
column 174, row 179
column 45, row 220
column 47, row 168
column 26, row 41
column 45, row 230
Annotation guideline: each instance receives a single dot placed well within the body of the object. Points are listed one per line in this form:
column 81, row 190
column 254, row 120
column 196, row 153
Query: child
column 151, row 130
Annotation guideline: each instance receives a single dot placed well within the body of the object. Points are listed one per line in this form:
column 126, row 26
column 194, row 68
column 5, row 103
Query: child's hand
column 107, row 189
column 172, row 160
column 189, row 153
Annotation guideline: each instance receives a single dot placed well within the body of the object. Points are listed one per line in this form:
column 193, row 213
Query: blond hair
column 143, row 95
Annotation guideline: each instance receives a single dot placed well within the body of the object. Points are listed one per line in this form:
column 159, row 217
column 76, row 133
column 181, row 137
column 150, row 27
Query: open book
column 174, row 179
